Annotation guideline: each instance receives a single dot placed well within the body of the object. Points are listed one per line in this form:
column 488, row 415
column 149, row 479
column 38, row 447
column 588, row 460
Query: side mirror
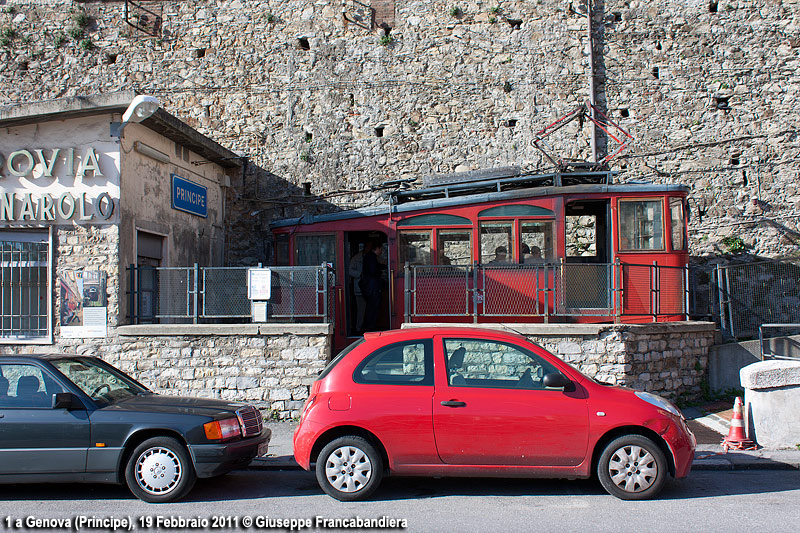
column 68, row 401
column 556, row 380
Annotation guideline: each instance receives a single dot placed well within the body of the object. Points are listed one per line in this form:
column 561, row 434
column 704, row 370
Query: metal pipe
column 592, row 98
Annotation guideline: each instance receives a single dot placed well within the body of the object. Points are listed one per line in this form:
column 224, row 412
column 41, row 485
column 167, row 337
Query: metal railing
column 214, row 294
column 545, row 290
column 747, row 295
column 782, row 343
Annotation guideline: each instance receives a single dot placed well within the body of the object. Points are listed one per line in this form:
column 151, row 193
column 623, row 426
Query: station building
column 84, row 195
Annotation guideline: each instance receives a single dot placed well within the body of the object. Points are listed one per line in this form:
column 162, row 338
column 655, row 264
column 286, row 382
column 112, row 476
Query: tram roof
column 458, row 194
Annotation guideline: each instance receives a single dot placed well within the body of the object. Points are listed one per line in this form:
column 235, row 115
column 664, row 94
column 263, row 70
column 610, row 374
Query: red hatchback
column 478, row 402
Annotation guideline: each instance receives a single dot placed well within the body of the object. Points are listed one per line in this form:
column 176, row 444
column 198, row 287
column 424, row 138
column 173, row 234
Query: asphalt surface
column 706, row 501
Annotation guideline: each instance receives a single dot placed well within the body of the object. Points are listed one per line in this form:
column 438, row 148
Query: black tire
column 632, row 467
column 349, row 469
column 160, row 470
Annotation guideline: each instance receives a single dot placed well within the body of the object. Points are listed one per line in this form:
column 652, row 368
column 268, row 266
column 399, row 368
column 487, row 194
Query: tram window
column 282, row 249
column 641, row 225
column 454, row 247
column 315, row 249
column 678, row 223
column 536, row 242
column 581, row 232
column 415, row 247
column 496, row 242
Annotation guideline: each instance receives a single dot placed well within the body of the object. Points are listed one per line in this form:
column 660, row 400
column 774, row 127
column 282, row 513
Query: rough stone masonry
column 344, row 99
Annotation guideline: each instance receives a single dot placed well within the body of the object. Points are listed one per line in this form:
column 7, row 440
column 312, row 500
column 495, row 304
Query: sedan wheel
column 632, row 468
column 160, row 470
column 349, row 468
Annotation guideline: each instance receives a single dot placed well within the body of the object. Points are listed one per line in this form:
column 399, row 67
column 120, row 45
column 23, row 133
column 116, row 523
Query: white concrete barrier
column 772, row 403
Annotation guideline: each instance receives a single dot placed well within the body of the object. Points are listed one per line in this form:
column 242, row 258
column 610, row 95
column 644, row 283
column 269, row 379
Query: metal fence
column 748, row 295
column 544, row 290
column 214, row 294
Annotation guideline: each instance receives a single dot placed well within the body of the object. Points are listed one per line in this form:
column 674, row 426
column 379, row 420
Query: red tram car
column 558, row 247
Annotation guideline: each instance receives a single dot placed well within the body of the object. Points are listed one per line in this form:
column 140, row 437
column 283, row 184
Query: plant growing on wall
column 455, row 11
column 734, row 244
column 58, row 40
column 387, row 39
column 86, row 44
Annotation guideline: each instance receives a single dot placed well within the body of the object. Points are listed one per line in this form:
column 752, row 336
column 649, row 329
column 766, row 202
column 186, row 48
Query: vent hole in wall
column 624, row 113
column 199, row 53
column 515, row 23
column 712, row 6
column 655, row 72
column 303, row 44
column 110, row 58
column 510, row 123
column 379, row 131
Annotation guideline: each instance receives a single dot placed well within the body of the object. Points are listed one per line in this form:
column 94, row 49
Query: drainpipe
column 589, row 7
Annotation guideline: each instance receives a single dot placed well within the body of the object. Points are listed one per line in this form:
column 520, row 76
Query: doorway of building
column 366, row 283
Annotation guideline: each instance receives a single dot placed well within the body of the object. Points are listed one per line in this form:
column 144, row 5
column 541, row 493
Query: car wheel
column 632, row 467
column 160, row 470
column 349, row 469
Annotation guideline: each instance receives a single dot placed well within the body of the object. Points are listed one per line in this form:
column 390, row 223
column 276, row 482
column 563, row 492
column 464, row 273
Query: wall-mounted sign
column 57, row 185
column 189, row 196
column 84, row 311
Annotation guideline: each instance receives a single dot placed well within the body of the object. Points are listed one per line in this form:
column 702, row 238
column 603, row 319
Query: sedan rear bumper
column 216, row 459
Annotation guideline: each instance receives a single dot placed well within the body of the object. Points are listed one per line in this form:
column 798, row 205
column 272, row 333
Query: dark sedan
column 66, row 418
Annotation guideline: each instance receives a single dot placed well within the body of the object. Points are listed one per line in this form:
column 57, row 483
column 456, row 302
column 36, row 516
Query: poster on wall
column 84, row 307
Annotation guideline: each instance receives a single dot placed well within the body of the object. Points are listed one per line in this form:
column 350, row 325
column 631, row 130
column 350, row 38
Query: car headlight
column 224, row 429
column 659, row 402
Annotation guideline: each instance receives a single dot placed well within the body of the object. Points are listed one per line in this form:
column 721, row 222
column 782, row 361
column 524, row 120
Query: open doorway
column 586, row 275
column 366, row 282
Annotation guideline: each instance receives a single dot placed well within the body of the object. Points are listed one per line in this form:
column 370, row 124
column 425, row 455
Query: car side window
column 403, row 363
column 494, row 364
column 26, row 386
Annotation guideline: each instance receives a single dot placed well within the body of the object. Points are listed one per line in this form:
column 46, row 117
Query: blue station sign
column 189, row 196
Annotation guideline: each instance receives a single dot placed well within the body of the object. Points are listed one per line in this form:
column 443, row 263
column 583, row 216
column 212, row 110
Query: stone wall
column 269, row 365
column 670, row 358
column 79, row 248
column 709, row 95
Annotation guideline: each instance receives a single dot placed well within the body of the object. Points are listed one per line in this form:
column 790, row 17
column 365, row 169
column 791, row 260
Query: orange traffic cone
column 736, row 439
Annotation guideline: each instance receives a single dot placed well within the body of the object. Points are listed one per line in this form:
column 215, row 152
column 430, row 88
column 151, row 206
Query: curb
column 703, row 465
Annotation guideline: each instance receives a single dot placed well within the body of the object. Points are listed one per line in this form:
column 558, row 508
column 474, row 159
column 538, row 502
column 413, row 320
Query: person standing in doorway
column 356, row 264
column 371, row 284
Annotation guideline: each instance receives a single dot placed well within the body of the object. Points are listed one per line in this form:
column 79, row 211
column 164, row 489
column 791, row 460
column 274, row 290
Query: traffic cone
column 736, row 439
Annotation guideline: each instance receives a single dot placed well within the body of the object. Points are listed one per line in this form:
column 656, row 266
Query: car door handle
column 454, row 403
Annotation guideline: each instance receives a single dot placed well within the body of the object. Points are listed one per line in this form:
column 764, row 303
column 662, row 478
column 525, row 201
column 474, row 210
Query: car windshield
column 104, row 385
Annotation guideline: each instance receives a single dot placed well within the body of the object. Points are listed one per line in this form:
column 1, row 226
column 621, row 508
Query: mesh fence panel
column 672, row 290
column 758, row 293
column 225, row 292
column 584, row 289
column 440, row 290
column 298, row 292
column 173, row 298
column 166, row 293
column 637, row 289
column 513, row 290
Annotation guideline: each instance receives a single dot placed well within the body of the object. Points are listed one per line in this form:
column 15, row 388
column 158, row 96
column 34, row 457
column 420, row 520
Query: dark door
column 34, row 437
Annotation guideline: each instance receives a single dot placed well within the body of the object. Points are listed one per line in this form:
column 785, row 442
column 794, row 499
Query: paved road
column 707, row 501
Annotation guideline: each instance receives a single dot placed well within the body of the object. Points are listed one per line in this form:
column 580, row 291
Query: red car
column 478, row 402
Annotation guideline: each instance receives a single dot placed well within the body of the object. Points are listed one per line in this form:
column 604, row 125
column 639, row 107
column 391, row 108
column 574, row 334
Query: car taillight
column 222, row 429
